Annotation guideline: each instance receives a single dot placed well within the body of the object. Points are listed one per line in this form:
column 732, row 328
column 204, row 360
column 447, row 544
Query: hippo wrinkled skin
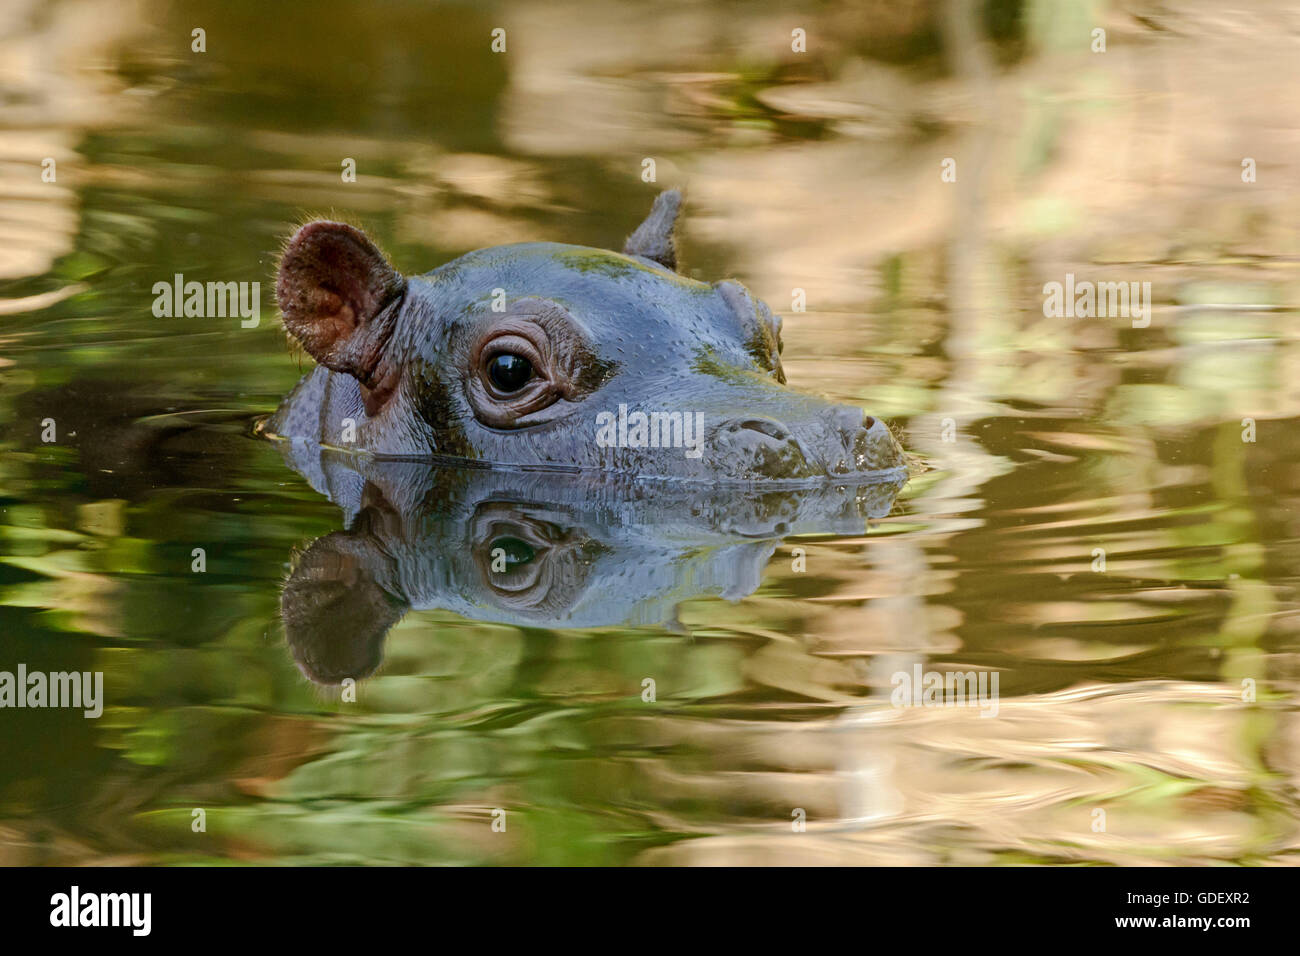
column 545, row 355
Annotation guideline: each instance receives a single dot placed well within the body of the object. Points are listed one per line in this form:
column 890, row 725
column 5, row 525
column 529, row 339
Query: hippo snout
column 746, row 448
column 843, row 441
column 867, row 443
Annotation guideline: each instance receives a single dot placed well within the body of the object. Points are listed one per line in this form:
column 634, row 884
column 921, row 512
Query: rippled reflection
column 530, row 549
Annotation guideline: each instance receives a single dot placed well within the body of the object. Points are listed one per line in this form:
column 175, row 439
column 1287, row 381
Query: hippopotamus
column 549, row 356
column 529, row 549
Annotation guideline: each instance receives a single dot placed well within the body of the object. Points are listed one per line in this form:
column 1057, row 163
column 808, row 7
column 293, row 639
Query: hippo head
column 544, row 355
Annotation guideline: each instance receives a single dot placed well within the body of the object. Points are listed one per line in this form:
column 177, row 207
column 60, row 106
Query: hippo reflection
column 544, row 354
column 532, row 550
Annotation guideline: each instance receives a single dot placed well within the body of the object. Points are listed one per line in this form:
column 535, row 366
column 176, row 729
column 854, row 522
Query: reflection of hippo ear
column 653, row 239
column 335, row 613
column 336, row 291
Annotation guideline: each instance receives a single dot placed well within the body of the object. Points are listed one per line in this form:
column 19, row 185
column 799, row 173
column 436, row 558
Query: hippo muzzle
column 844, row 441
column 550, row 356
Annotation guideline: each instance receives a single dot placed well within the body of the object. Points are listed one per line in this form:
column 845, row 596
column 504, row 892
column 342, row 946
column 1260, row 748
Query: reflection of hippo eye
column 516, row 552
column 510, row 372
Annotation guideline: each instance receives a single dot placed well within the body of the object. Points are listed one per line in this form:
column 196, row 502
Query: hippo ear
column 334, row 290
column 334, row 611
column 654, row 239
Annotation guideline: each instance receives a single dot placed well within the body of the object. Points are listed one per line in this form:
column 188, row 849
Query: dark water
column 1104, row 513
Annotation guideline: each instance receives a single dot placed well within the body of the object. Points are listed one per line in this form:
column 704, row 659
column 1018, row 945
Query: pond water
column 1102, row 513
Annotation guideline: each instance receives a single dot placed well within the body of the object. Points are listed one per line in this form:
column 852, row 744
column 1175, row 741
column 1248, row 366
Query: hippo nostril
column 850, row 421
column 758, row 447
column 764, row 426
column 857, row 444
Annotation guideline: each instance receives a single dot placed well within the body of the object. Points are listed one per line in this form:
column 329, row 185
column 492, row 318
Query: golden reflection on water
column 1125, row 686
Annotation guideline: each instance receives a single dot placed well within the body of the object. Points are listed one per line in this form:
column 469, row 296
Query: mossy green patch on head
column 601, row 262
column 707, row 363
column 614, row 265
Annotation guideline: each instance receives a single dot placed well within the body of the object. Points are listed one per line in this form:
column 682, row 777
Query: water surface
column 1103, row 514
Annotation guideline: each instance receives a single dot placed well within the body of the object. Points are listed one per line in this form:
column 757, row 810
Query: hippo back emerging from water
column 544, row 355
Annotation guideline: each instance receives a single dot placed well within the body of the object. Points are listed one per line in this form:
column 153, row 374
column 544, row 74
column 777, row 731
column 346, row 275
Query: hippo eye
column 509, row 372
column 524, row 367
column 514, row 551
